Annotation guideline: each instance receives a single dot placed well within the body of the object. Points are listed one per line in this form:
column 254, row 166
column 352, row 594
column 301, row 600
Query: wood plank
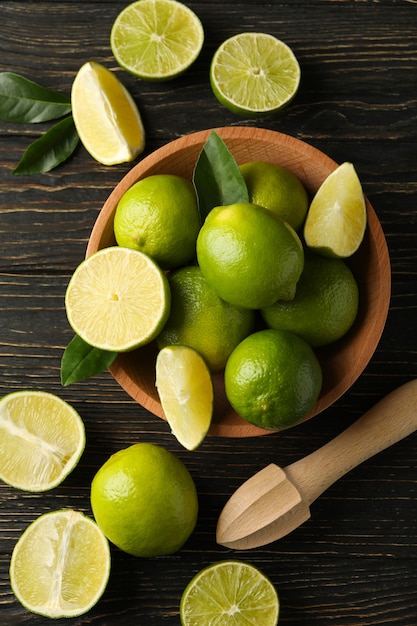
column 354, row 561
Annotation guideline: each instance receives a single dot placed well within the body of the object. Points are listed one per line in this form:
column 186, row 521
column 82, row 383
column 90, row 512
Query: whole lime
column 200, row 319
column 276, row 188
column 273, row 379
column 158, row 215
column 249, row 256
column 145, row 500
column 325, row 304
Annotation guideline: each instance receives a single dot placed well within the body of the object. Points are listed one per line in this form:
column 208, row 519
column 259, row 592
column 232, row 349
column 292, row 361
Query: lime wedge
column 41, row 440
column 336, row 219
column 230, row 593
column 156, row 40
column 60, row 565
column 105, row 115
column 117, row 299
column 185, row 389
column 254, row 74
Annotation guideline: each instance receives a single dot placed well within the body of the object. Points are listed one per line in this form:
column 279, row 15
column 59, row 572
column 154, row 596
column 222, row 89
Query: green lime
column 145, row 500
column 336, row 220
column 325, row 304
column 60, row 565
column 185, row 388
column 158, row 215
column 273, row 379
column 200, row 319
column 41, row 440
column 254, row 74
column 278, row 190
column 249, row 256
column 156, row 40
column 117, row 299
column 229, row 593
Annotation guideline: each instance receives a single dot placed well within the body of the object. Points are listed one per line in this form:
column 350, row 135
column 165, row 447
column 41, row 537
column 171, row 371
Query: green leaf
column 23, row 101
column 217, row 178
column 80, row 361
column 51, row 149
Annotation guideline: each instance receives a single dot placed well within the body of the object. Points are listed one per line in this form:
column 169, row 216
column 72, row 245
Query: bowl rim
column 299, row 150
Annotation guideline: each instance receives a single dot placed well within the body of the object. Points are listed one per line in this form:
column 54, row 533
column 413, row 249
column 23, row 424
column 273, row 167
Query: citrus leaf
column 217, row 178
column 51, row 149
column 23, row 101
column 80, row 361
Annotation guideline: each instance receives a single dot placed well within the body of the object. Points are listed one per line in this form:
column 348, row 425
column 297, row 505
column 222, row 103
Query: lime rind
column 42, row 438
column 254, row 74
column 48, row 559
column 156, row 40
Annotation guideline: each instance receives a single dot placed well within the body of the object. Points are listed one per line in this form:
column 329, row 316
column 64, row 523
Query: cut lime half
column 254, row 74
column 117, row 299
column 60, row 565
column 41, row 440
column 230, row 593
column 185, row 388
column 156, row 40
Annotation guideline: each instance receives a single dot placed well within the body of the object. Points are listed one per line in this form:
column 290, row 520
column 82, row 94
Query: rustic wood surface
column 354, row 562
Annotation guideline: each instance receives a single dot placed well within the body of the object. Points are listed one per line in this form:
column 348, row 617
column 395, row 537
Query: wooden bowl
column 343, row 361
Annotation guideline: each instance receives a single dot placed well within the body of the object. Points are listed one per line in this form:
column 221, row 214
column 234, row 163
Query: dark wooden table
column 354, row 562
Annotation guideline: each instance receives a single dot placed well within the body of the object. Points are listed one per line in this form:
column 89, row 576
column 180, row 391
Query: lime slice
column 41, row 440
column 186, row 391
column 336, row 219
column 230, row 592
column 105, row 115
column 117, row 299
column 60, row 565
column 156, row 40
column 254, row 74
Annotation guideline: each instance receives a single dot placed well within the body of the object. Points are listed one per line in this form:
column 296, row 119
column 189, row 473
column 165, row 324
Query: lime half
column 105, row 115
column 185, row 388
column 41, row 440
column 336, row 220
column 230, row 593
column 60, row 565
column 117, row 299
column 254, row 74
column 156, row 40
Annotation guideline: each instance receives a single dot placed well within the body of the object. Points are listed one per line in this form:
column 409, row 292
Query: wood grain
column 353, row 562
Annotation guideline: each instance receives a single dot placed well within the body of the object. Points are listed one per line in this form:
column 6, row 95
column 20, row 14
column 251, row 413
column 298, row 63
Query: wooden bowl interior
column 343, row 361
